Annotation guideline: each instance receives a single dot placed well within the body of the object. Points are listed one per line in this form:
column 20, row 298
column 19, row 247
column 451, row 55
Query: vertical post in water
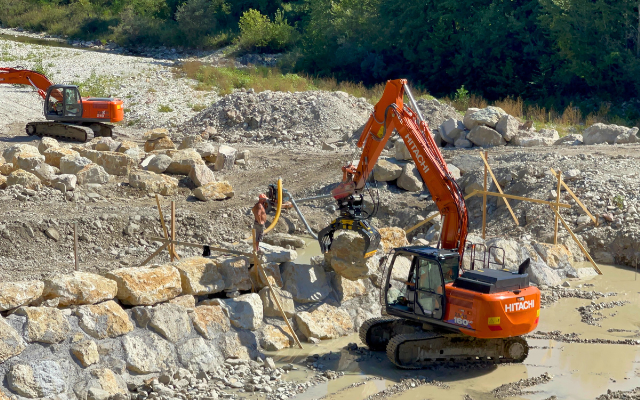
column 75, row 243
column 484, row 197
column 555, row 229
column 173, row 230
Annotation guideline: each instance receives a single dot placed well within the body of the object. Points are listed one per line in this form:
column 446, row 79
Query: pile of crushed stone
column 301, row 118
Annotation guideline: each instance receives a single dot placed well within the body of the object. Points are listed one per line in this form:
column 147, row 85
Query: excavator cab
column 63, row 103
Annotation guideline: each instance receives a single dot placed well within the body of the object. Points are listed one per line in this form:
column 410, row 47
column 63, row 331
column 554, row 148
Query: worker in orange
column 260, row 218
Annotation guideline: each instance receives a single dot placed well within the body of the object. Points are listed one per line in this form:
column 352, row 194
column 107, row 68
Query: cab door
column 72, row 102
column 430, row 298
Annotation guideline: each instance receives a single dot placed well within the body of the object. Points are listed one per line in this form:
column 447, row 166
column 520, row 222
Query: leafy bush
column 259, row 33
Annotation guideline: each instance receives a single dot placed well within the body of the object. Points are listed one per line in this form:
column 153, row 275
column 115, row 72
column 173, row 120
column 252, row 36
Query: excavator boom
column 390, row 114
column 27, row 77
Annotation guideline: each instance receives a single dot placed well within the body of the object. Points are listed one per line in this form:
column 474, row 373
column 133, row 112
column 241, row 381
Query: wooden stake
column 164, row 228
column 495, row 181
column 555, row 229
column 212, row 248
column 484, row 200
column 155, row 253
column 424, row 221
column 172, row 248
column 75, row 243
column 258, row 265
column 584, row 208
column 510, row 196
column 586, row 253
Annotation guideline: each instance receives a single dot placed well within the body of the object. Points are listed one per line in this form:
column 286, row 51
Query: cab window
column 450, row 269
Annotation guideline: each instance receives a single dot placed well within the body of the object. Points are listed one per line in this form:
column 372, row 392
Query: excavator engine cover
column 363, row 227
column 491, row 281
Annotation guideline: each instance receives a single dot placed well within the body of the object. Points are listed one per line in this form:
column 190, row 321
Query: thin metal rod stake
column 75, row 243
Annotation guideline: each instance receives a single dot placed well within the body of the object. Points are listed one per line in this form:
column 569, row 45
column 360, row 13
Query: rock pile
column 300, row 118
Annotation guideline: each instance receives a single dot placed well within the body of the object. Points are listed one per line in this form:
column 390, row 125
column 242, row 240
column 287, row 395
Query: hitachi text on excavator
column 436, row 312
column 68, row 115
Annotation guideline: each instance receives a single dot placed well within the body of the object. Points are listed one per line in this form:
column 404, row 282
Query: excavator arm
column 390, row 114
column 26, row 77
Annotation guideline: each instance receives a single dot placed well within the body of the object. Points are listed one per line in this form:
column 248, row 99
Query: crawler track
column 62, row 130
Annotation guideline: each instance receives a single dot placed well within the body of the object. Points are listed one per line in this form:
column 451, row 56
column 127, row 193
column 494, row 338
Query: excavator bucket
column 369, row 233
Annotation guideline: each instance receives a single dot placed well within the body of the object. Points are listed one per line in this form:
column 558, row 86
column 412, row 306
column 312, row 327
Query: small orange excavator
column 436, row 312
column 68, row 114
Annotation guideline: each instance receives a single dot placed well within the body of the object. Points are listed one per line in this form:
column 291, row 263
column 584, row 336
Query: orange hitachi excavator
column 68, row 114
column 436, row 312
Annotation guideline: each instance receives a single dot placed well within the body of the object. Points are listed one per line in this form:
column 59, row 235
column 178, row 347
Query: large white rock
column 225, row 159
column 159, row 163
column 485, row 136
column 451, row 129
column 410, row 178
column 244, row 312
column 200, row 175
column 387, row 170
column 325, row 322
column 401, row 150
column 601, row 133
column 171, row 321
column 306, row 283
column 146, row 285
column 200, row 276
column 11, row 151
column 467, row 121
column 79, row 288
column 151, row 182
column 73, row 165
column 346, row 256
column 269, row 304
column 16, row 294
column 489, row 116
column 214, row 191
column 508, row 126
column 64, row 182
column 182, row 162
column 38, row 379
column 276, row 254
column 11, row 342
column 147, row 353
column 570, row 140
column 92, row 173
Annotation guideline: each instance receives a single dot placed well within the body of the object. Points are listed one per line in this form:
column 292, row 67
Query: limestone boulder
column 306, row 283
column 106, row 144
column 187, row 301
column 6, row 169
column 11, row 342
column 24, row 178
column 147, row 353
column 43, row 378
column 235, row 271
column 569, row 140
column 190, row 141
column 73, row 164
column 80, row 288
column 17, row 294
column 27, row 161
column 64, row 182
column 201, row 175
column 3, row 182
column 463, row 143
column 111, row 384
column 511, row 255
column 86, row 352
column 104, row 320
column 602, row 133
column 225, row 159
column 410, row 178
column 159, row 163
column 93, row 155
column 47, row 143
column 276, row 337
column 508, row 126
column 207, row 151
column 198, row 356
column 489, row 116
column 92, row 173
column 127, row 145
column 401, row 151
column 532, row 139
column 45, row 172
column 114, row 163
column 210, row 320
column 467, row 121
column 387, row 170
column 392, row 237
column 200, row 276
column 346, row 256
column 485, row 136
column 146, row 285
column 10, row 152
column 539, row 272
column 324, row 322
column 214, row 191
column 451, row 129
column 272, row 272
column 244, row 312
column 45, row 324
column 555, row 256
column 270, row 308
column 171, row 321
column 156, row 133
column 276, row 254
column 347, row 289
column 283, row 240
column 151, row 182
column 183, row 161
column 163, row 143
column 234, row 344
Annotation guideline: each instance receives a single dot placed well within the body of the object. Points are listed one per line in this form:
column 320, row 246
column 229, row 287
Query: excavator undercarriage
column 410, row 345
column 61, row 130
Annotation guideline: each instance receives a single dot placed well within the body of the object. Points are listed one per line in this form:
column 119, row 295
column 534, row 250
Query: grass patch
column 164, row 108
column 197, row 107
column 97, row 85
column 227, row 78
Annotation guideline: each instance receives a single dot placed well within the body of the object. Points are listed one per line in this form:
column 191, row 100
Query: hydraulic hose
column 275, row 220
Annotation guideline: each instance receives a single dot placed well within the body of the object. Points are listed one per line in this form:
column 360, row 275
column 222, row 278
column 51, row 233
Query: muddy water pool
column 579, row 370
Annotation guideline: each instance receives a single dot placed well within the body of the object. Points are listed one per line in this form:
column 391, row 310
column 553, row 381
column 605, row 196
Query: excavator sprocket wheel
column 428, row 349
column 376, row 333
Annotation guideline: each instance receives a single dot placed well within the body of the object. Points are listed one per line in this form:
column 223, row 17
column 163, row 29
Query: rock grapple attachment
column 363, row 227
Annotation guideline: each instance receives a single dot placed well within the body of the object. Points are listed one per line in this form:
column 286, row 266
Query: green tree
column 259, row 33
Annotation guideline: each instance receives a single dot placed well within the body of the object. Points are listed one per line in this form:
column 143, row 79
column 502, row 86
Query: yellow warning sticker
column 494, row 320
column 538, row 313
